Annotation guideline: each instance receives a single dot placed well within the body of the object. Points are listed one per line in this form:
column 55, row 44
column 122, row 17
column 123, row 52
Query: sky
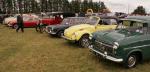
column 126, row 6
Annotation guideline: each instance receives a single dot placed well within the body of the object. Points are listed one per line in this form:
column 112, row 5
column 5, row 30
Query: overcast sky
column 125, row 5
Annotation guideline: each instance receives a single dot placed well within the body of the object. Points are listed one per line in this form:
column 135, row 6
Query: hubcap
column 131, row 61
column 85, row 42
column 15, row 26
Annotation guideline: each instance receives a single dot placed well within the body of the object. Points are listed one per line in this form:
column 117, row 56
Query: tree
column 75, row 6
column 140, row 10
column 103, row 8
column 34, row 6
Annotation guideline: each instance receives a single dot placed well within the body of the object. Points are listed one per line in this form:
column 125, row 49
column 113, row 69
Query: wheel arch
column 83, row 34
column 137, row 52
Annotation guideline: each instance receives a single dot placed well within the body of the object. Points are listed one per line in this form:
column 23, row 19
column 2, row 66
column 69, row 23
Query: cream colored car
column 81, row 33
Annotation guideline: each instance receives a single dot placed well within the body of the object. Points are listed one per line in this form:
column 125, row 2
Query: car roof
column 142, row 19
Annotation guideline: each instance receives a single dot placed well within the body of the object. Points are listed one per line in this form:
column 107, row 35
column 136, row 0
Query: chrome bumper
column 51, row 32
column 107, row 56
column 10, row 25
column 65, row 38
column 69, row 39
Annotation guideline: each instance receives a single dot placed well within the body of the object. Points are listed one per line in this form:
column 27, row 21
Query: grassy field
column 35, row 52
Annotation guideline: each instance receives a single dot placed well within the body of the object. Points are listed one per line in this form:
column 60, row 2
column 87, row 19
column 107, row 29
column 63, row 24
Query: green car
column 128, row 44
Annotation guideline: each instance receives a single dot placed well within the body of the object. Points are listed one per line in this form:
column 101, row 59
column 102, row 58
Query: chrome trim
column 65, row 38
column 137, row 47
column 52, row 33
column 104, row 44
column 107, row 56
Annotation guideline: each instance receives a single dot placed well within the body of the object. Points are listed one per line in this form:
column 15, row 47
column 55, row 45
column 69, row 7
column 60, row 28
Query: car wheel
column 60, row 34
column 84, row 41
column 15, row 26
column 131, row 61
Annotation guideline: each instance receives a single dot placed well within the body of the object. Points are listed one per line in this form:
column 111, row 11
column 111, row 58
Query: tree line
column 37, row 6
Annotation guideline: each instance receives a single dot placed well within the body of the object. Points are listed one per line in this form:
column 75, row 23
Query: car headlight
column 116, row 45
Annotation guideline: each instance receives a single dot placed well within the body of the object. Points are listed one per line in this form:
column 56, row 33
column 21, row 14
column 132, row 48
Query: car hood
column 78, row 27
column 9, row 19
column 75, row 28
column 114, row 35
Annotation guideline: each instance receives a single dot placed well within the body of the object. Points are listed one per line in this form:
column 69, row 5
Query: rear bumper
column 118, row 60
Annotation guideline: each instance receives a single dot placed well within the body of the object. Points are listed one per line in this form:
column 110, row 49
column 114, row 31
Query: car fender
column 81, row 33
column 132, row 51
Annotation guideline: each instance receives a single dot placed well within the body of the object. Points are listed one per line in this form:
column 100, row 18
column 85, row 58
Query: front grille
column 102, row 47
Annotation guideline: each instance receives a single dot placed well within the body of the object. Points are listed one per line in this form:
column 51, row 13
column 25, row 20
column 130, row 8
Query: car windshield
column 72, row 21
column 108, row 22
column 92, row 20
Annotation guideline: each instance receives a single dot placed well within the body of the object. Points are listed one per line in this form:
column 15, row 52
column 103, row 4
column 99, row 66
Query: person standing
column 20, row 23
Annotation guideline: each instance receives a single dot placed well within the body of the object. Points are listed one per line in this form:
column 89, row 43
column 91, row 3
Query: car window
column 92, row 20
column 137, row 27
column 129, row 24
column 113, row 21
column 108, row 22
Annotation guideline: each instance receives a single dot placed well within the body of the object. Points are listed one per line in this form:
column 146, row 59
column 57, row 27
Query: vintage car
column 80, row 33
column 128, row 44
column 52, row 18
column 8, row 19
column 58, row 30
column 28, row 22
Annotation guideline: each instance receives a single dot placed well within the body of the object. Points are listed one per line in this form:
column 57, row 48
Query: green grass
column 35, row 52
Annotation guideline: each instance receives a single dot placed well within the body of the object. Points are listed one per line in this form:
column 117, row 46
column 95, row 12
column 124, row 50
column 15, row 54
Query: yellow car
column 80, row 33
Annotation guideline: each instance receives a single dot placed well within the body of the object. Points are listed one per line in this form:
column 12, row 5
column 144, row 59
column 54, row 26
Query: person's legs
column 17, row 28
column 22, row 28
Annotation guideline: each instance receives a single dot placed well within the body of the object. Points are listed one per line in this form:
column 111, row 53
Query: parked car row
column 32, row 20
column 125, row 41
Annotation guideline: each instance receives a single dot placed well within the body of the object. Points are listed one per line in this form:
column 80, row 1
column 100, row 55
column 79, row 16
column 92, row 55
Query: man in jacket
column 20, row 23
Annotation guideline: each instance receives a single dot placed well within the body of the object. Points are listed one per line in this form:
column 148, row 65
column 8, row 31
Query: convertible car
column 80, row 33
column 128, row 44
column 58, row 30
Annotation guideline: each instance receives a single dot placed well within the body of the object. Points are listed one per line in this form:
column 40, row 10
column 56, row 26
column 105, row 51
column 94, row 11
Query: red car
column 51, row 18
column 51, row 21
column 28, row 22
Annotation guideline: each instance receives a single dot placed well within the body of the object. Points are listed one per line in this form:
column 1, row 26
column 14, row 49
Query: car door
column 145, row 43
column 105, row 24
column 27, row 23
column 30, row 23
